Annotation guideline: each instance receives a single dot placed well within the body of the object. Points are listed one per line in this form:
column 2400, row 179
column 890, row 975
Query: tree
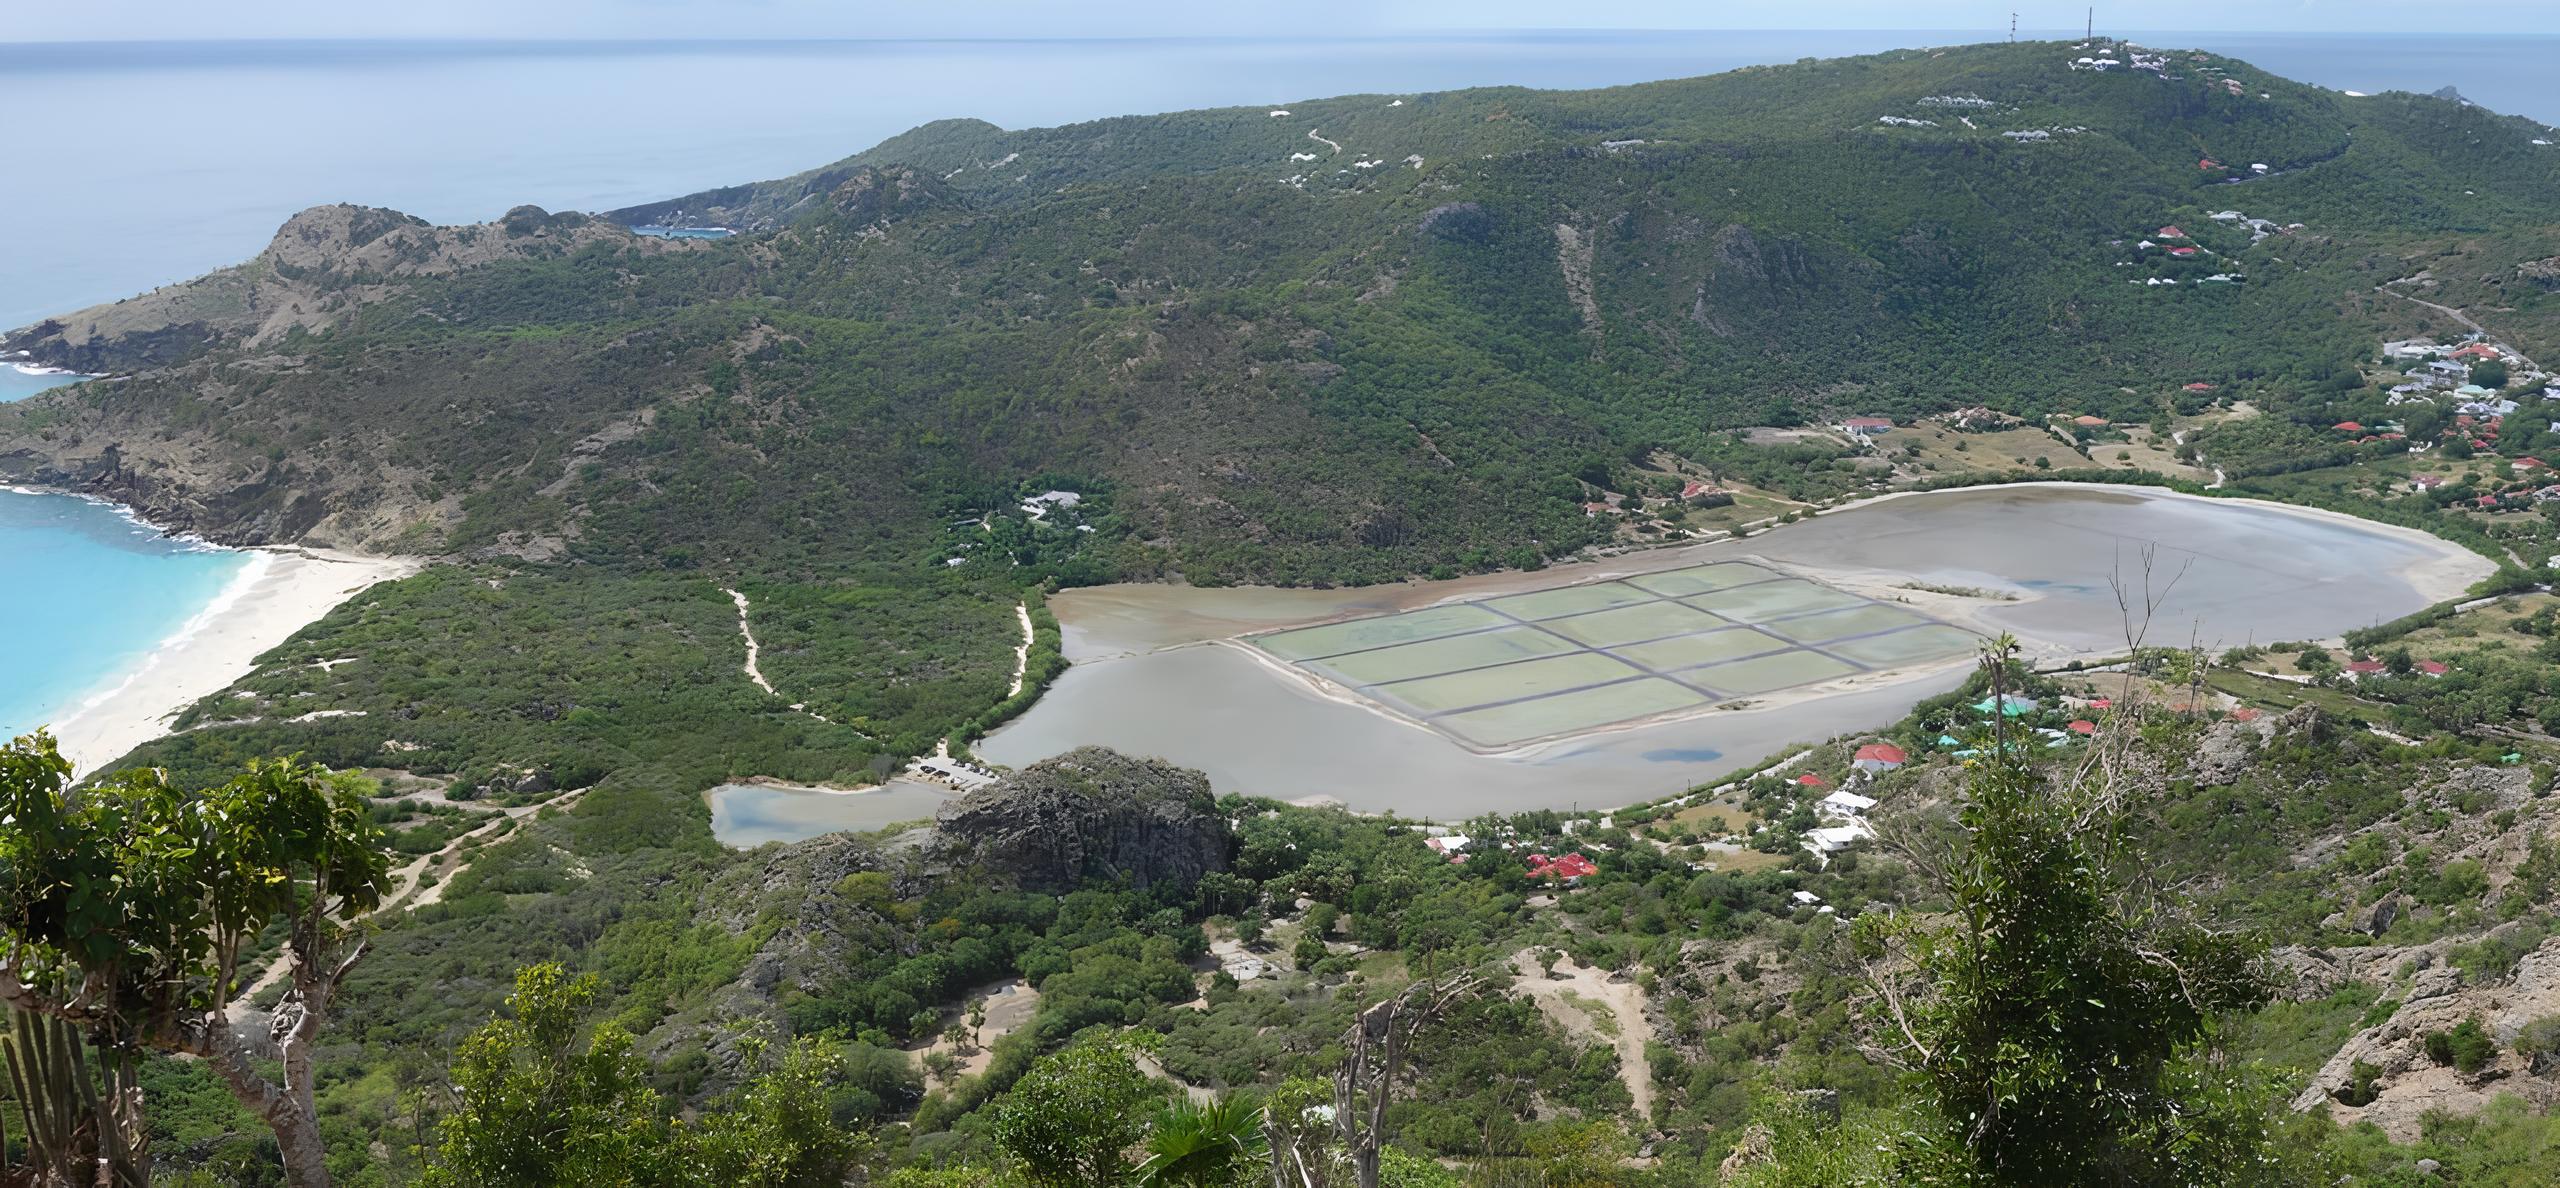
column 2046, row 1014
column 1194, row 1145
column 544, row 1101
column 539, row 1103
column 130, row 904
column 1377, row 1045
column 1072, row 1119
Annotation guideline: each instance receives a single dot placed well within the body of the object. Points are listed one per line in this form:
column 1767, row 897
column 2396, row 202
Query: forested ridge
column 1373, row 337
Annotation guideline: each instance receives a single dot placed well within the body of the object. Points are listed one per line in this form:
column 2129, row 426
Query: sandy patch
column 1579, row 999
column 280, row 592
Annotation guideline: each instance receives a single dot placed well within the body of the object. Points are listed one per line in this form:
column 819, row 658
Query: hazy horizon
column 184, row 20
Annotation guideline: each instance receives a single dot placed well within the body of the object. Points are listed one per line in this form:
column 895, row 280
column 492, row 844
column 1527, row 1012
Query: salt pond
column 1155, row 676
column 749, row 815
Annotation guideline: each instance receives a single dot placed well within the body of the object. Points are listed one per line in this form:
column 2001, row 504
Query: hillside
column 1346, row 341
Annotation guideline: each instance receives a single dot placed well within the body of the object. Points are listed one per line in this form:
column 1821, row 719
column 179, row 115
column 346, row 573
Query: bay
column 90, row 594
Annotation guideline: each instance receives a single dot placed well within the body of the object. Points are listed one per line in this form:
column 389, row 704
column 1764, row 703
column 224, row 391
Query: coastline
column 281, row 591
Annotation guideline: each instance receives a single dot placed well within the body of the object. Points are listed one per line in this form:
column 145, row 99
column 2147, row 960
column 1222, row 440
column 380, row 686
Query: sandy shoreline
column 277, row 594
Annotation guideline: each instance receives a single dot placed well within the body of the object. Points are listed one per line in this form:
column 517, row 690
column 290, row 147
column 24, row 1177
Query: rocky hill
column 1089, row 815
column 323, row 265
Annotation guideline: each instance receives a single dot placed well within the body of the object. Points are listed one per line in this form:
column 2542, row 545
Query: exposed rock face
column 2407, row 1083
column 323, row 264
column 1091, row 813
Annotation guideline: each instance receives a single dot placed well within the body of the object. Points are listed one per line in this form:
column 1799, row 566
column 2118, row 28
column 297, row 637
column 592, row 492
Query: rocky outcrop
column 2405, row 1083
column 323, row 264
column 1089, row 814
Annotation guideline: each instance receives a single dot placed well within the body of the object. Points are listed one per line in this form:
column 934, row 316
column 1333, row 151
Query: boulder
column 1089, row 814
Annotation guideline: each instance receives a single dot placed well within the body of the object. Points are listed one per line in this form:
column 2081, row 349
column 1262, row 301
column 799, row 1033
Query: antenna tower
column 2013, row 25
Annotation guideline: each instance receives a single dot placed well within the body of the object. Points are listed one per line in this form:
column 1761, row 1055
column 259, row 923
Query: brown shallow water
column 1145, row 681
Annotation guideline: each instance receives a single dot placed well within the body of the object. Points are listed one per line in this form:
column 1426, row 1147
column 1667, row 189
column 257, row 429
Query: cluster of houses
column 1568, row 869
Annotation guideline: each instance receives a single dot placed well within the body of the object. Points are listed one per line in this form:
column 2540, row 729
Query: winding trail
column 1311, row 135
column 1021, row 654
column 753, row 673
column 757, row 674
column 447, row 861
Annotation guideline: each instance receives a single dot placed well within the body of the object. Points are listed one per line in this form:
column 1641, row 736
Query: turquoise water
column 90, row 595
column 18, row 385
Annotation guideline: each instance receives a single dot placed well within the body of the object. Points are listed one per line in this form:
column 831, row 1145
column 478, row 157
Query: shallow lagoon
column 749, row 815
column 1147, row 679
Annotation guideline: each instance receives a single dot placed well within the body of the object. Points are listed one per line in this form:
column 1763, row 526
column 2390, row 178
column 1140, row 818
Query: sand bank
column 277, row 594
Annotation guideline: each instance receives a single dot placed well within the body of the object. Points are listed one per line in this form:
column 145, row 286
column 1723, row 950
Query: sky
column 120, row 20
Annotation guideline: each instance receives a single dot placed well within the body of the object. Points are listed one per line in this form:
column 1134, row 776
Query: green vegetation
column 1354, row 377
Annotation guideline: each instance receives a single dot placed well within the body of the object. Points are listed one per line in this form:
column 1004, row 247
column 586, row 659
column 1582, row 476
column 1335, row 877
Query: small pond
column 749, row 815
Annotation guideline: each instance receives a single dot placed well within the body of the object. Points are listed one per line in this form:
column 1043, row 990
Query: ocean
column 17, row 383
column 172, row 159
column 91, row 594
column 178, row 158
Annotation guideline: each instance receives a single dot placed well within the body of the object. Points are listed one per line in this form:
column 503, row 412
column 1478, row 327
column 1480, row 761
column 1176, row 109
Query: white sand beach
column 280, row 592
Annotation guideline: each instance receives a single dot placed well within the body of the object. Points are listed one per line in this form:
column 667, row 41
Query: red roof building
column 2170, row 232
column 2089, row 422
column 1697, row 487
column 1810, row 780
column 2348, row 427
column 2199, row 386
column 2083, row 726
column 2476, row 350
column 2427, row 482
column 2102, row 703
column 1884, row 752
column 2433, row 668
column 2364, row 668
column 1568, row 868
column 2528, row 463
column 2182, row 252
column 2208, row 163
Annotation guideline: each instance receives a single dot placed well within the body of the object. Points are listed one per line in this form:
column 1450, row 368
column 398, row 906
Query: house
column 1810, row 780
column 1874, row 758
column 2529, row 464
column 1847, row 804
column 1596, row 509
column 2169, row 232
column 2444, row 369
column 2009, row 705
column 2477, row 350
column 1805, row 898
column 2199, row 386
column 2348, row 427
column 2425, row 482
column 2434, row 668
column 1038, row 505
column 1704, row 494
column 2182, row 252
column 1453, row 846
column 2083, row 726
column 1867, row 426
column 1831, row 839
column 2207, row 163
column 2361, row 669
column 2410, row 349
column 1572, row 868
column 2089, row 422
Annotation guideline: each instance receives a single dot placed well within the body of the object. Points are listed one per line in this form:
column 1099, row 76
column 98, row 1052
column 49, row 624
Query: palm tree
column 1202, row 1145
